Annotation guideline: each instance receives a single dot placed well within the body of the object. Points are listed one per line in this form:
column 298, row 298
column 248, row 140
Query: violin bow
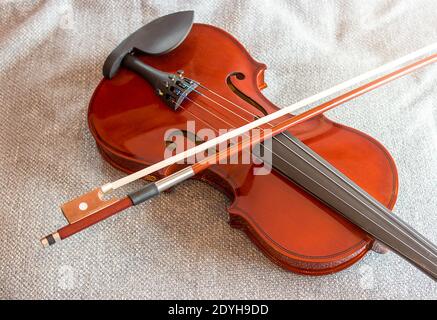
column 90, row 208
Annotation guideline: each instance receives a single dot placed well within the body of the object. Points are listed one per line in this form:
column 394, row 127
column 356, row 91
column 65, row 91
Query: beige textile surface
column 180, row 245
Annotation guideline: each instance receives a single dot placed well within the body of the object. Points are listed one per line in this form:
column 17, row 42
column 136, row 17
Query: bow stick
column 91, row 208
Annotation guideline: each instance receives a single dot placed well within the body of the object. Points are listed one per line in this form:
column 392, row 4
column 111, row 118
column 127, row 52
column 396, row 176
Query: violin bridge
column 85, row 205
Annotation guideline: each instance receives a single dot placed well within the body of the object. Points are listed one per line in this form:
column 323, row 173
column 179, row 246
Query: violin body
column 294, row 229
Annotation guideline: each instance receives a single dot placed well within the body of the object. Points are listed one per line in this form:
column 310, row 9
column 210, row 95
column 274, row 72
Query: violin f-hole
column 240, row 76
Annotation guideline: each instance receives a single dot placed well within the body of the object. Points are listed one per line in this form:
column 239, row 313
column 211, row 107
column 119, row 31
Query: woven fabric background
column 180, row 245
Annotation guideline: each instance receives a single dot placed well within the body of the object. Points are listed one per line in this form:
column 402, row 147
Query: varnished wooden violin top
column 128, row 121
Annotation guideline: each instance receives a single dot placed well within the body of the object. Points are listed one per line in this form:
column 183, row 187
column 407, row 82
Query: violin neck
column 322, row 180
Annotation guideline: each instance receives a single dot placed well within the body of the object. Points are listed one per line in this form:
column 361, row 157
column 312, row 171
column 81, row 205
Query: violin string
column 229, row 110
column 232, row 126
column 227, row 100
column 229, row 124
column 212, row 113
column 287, row 147
column 220, row 119
column 200, row 119
column 241, row 108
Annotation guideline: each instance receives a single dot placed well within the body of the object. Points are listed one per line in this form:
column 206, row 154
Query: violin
column 328, row 197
